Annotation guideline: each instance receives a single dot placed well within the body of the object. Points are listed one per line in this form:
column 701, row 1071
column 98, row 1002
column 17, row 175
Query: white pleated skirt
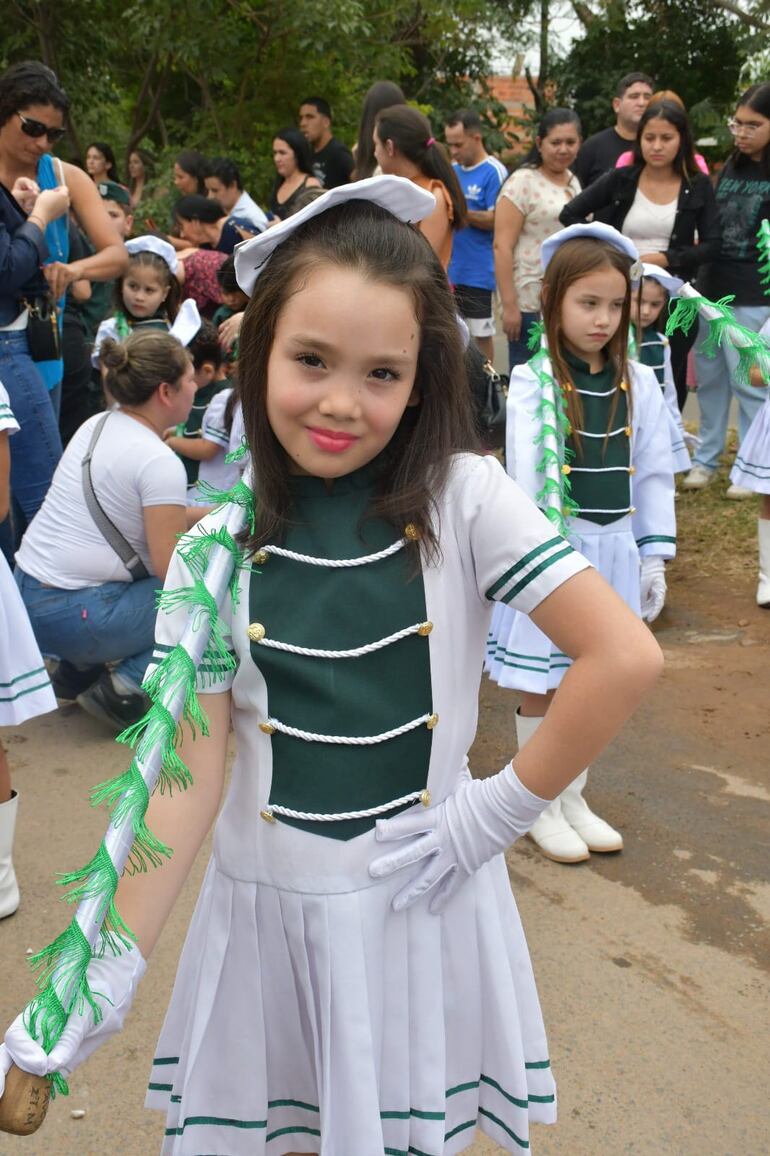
column 25, row 689
column 327, row 1023
column 521, row 657
column 752, row 462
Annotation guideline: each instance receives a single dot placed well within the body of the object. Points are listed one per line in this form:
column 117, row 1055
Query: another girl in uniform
column 356, row 979
column 752, row 471
column 148, row 296
column 653, row 349
column 612, row 482
column 25, row 690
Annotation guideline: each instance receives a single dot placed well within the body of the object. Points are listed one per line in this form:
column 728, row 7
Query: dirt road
column 652, row 965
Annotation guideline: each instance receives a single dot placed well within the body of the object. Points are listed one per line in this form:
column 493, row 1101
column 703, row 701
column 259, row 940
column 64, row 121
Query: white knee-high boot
column 9, row 890
column 551, row 831
column 595, row 833
column 763, row 589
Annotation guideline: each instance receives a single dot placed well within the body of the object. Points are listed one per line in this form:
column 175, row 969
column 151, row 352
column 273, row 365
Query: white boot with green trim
column 9, row 888
column 551, row 831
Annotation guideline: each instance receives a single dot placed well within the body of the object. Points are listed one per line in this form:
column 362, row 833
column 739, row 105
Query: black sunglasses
column 36, row 129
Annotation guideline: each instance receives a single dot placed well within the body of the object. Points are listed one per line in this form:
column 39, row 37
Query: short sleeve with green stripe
column 519, row 557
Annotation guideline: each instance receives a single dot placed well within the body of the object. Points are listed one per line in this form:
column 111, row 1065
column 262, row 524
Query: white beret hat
column 156, row 245
column 599, row 232
column 403, row 198
column 670, row 283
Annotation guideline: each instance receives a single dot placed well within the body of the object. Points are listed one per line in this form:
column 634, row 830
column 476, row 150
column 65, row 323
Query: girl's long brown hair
column 575, row 259
column 361, row 236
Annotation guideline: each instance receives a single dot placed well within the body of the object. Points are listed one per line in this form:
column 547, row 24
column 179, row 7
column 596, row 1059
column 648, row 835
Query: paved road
column 652, row 965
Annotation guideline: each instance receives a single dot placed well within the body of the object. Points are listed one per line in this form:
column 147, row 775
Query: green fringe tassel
column 173, row 673
column 239, row 454
column 752, row 349
column 200, row 602
column 195, row 550
column 763, row 244
column 98, row 877
column 239, row 495
column 535, row 338
column 68, row 956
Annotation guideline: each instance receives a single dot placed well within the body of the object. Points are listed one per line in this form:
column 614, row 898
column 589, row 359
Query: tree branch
column 745, row 17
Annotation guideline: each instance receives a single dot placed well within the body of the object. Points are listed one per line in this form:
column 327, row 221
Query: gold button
column 424, row 628
column 566, row 511
column 432, row 722
column 632, row 510
column 425, row 798
column 565, row 469
column 261, row 557
column 665, row 341
column 624, row 386
column 628, row 431
column 256, row 631
column 267, row 728
column 567, row 387
column 411, row 532
column 268, row 816
column 632, row 469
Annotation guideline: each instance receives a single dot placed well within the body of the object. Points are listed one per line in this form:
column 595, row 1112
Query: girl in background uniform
column 587, row 437
column 25, row 689
column 752, row 471
column 355, row 978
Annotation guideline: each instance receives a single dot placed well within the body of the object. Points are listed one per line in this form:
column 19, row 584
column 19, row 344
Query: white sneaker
column 698, row 478
column 738, row 493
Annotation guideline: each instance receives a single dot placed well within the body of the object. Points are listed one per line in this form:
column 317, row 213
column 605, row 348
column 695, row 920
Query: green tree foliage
column 692, row 47
column 224, row 75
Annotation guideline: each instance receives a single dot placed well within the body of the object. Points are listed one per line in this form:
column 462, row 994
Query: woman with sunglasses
column 743, row 202
column 32, row 108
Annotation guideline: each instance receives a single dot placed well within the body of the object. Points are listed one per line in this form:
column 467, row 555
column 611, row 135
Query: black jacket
column 610, row 198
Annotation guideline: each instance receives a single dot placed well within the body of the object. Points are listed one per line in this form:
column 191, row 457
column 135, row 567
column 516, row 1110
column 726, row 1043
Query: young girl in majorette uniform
column 147, row 296
column 355, row 979
column 587, row 436
column 25, row 689
column 752, row 470
column 652, row 348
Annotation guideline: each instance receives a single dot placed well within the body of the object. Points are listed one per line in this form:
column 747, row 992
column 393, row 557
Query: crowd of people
column 317, row 347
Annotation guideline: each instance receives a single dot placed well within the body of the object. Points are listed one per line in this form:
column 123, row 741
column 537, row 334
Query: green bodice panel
column 652, row 351
column 591, row 489
column 194, row 423
column 362, row 696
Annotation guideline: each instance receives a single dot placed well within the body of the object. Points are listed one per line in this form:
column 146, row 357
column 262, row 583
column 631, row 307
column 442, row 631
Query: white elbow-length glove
column 450, row 841
column 113, row 981
column 653, row 579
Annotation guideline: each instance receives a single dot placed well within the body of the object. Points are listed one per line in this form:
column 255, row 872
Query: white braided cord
column 317, row 817
column 335, row 563
column 347, row 740
column 594, row 393
column 608, row 434
column 354, row 652
column 587, row 510
column 599, row 469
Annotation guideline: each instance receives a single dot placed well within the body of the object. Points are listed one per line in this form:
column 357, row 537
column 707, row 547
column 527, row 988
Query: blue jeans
column 36, row 448
column 718, row 382
column 114, row 622
column 519, row 352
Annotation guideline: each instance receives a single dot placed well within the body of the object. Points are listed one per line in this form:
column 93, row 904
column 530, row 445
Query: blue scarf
column 57, row 240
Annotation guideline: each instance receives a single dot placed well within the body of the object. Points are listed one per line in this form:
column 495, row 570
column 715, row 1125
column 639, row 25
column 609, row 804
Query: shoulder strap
column 110, row 532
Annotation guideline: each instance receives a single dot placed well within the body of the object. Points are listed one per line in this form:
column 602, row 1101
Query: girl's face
column 284, row 159
column 751, row 132
column 144, row 291
column 591, row 311
column 559, row 147
column 185, row 182
column 96, row 163
column 660, row 142
column 653, row 298
column 135, row 167
column 341, row 371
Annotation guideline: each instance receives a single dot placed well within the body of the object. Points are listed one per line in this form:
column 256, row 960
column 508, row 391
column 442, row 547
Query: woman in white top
column 87, row 605
column 527, row 212
column 661, row 202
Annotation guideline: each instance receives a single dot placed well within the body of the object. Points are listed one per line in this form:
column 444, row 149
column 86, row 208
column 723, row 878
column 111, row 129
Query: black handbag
column 489, row 390
column 43, row 329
